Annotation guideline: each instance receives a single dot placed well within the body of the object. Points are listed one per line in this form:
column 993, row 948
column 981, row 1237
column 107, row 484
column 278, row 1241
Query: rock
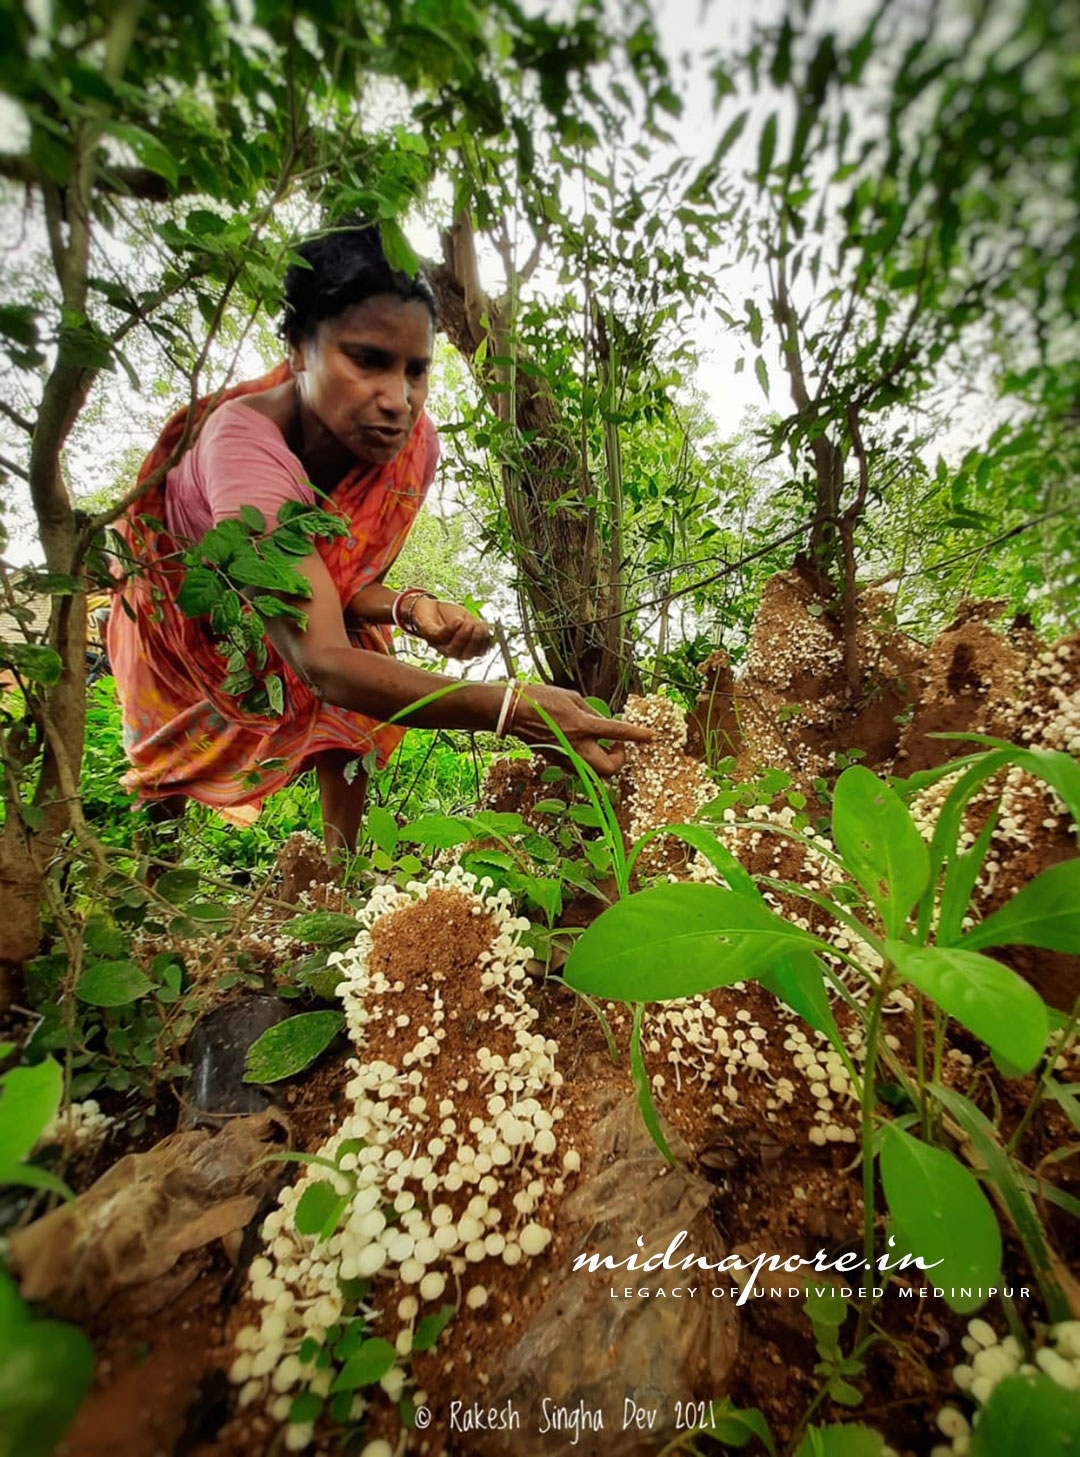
column 133, row 1225
column 217, row 1053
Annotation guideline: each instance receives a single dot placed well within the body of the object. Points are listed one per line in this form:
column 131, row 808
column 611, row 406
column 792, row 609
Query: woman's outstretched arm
column 371, row 683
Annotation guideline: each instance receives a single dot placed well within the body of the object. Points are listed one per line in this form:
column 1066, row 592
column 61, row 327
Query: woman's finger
column 616, row 728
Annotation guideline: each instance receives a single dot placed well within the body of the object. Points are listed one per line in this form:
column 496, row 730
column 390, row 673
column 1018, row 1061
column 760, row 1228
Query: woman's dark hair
column 347, row 266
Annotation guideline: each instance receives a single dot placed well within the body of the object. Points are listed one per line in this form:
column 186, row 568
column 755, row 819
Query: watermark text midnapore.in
column 747, row 1271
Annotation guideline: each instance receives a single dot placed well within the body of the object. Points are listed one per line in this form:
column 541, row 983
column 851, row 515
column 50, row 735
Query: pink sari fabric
column 182, row 734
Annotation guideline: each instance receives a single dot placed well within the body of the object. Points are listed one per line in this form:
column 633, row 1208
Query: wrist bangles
column 508, row 708
column 406, row 622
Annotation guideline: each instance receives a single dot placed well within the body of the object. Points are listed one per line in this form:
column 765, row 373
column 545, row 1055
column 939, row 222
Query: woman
column 344, row 414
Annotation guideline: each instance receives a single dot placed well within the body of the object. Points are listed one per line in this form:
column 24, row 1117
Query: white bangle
column 512, row 689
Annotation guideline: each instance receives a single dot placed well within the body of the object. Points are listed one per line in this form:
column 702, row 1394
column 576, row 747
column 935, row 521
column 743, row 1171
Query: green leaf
column 961, row 873
column 1045, row 913
column 734, row 1427
column 289, row 1047
column 370, row 1364
column 319, row 1208
column 149, row 150
column 941, row 1215
column 268, row 606
column 850, row 1440
column 29, row 1099
column 44, row 1377
column 382, row 828
column 275, row 692
column 199, row 592
column 307, row 1407
column 323, row 928
column 762, row 371
column 438, row 832
column 31, row 1177
column 399, row 252
column 272, row 570
column 178, row 886
column 223, row 541
column 984, row 996
column 825, row 1305
column 254, row 517
column 112, row 984
column 766, row 150
column 431, row 1327
column 676, row 941
column 1001, row 1169
column 640, row 1075
column 880, row 845
column 1028, row 1414
column 34, row 661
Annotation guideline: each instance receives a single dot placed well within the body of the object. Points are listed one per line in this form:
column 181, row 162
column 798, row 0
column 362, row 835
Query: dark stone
column 217, row 1053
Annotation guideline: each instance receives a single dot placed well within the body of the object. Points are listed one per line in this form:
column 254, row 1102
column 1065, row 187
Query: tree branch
column 16, row 419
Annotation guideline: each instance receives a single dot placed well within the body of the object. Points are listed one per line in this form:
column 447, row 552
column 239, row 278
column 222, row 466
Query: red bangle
column 409, row 594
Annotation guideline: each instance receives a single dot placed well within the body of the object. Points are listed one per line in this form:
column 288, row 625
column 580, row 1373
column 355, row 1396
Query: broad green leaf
column 254, row 517
column 799, row 981
column 438, row 832
column 499, row 822
column 851, row 1439
column 880, row 846
column 942, row 1216
column 1029, row 1414
column 33, row 661
column 112, row 984
column 323, row 928
column 986, row 997
column 382, row 828
column 431, row 1327
column 676, row 941
column 177, row 886
column 704, row 840
column 289, row 1047
column 319, row 1208
column 1045, row 912
column 44, row 1376
column 29, row 1099
column 1002, row 1171
column 370, row 1364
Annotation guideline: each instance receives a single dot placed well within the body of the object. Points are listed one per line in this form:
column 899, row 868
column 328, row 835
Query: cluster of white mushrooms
column 659, row 784
column 80, row 1127
column 435, row 1197
column 991, row 1360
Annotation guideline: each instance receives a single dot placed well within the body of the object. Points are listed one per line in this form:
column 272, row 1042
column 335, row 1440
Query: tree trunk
column 570, row 593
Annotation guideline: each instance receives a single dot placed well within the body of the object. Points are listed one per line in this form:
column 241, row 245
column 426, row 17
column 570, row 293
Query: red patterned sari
column 182, row 734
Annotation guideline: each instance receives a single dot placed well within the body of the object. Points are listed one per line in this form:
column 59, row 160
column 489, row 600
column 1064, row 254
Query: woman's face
column 364, row 374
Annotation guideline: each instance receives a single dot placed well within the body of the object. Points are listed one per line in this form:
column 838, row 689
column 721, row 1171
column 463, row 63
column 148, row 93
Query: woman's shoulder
column 256, row 415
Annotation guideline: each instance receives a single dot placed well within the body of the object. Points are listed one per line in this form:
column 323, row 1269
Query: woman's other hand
column 581, row 725
column 453, row 630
